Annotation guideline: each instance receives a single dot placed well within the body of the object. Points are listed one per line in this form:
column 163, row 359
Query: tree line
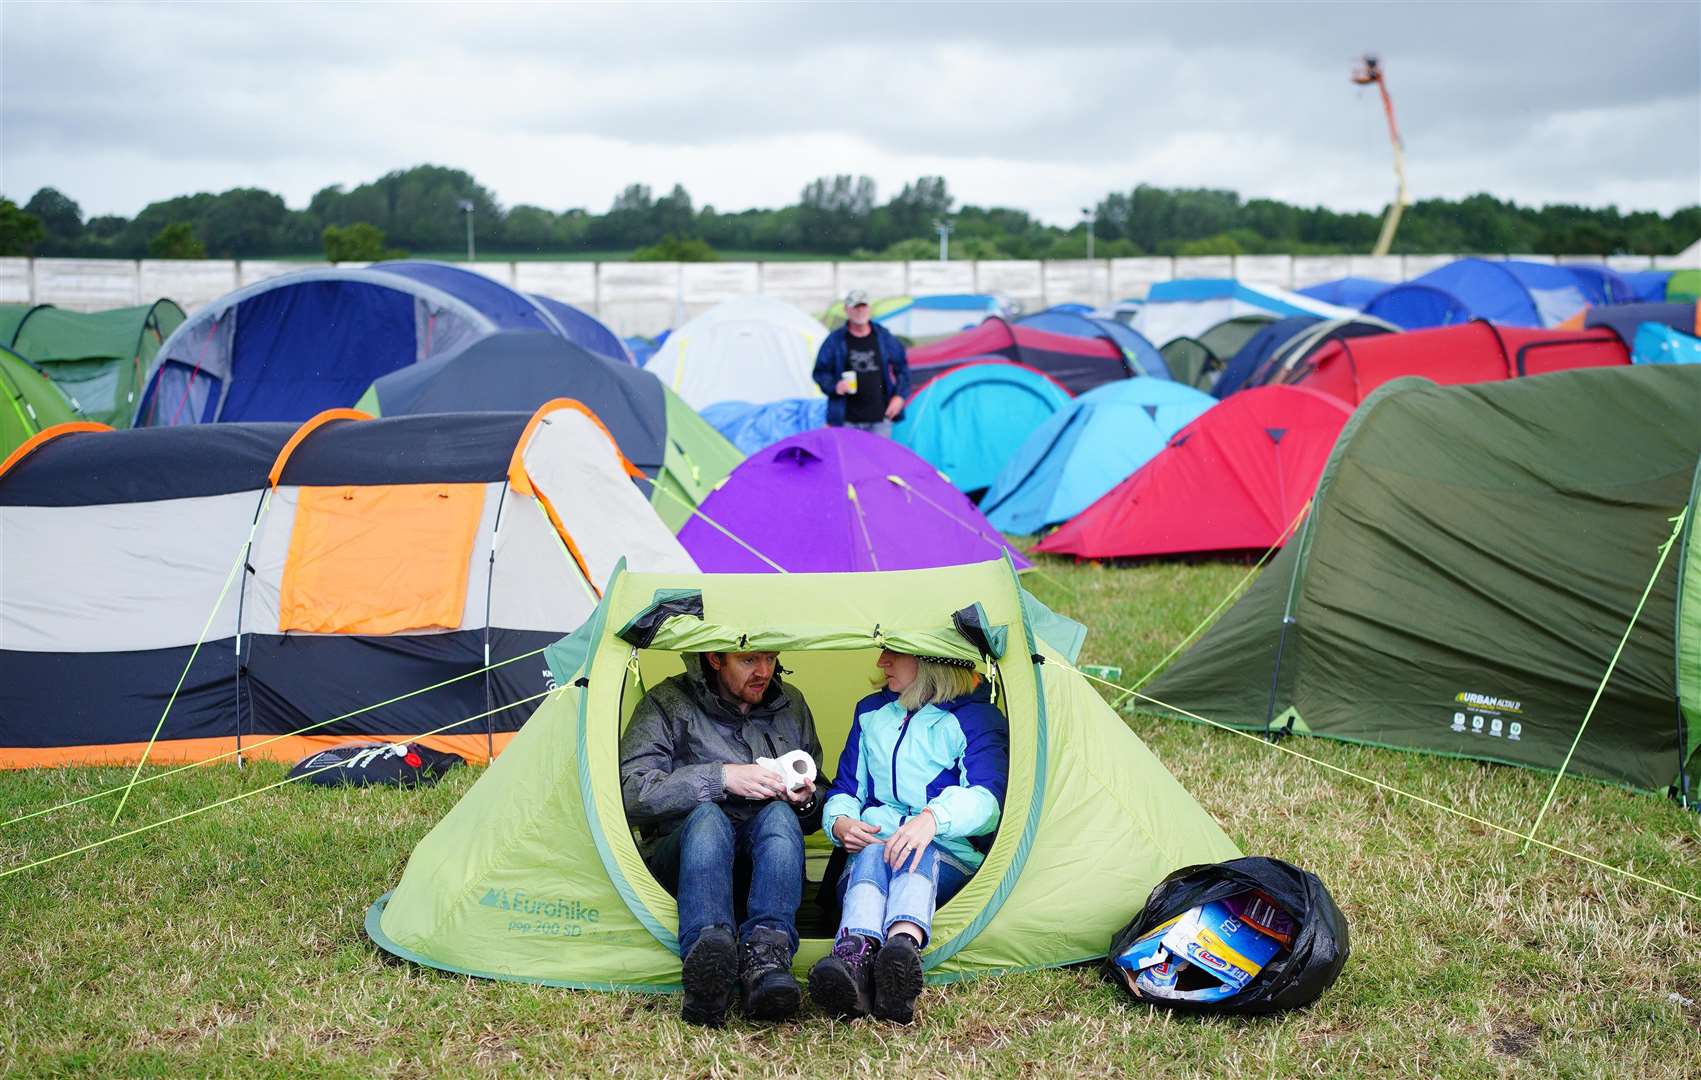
column 424, row 210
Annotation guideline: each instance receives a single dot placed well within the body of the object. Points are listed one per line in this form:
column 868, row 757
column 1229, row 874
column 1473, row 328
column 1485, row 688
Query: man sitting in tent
column 863, row 370
column 719, row 828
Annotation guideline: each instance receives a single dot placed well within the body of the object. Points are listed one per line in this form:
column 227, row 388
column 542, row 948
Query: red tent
column 1077, row 363
column 1472, row 352
column 1233, row 480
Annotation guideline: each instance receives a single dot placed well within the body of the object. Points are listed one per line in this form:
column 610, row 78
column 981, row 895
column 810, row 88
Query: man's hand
column 854, row 834
column 802, row 795
column 752, row 782
column 843, row 388
column 894, row 407
column 912, row 838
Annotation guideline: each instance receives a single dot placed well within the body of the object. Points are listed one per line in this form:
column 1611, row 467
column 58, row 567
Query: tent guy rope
column 249, row 749
column 92, row 845
column 235, row 568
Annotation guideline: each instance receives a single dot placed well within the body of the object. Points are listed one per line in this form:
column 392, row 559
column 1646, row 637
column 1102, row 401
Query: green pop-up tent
column 97, row 358
column 1472, row 558
column 29, row 403
column 534, row 875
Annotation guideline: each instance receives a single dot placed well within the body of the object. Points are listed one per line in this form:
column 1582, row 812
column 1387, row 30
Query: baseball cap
column 855, row 297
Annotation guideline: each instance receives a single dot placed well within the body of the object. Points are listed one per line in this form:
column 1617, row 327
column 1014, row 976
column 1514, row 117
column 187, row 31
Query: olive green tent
column 97, row 358
column 534, row 875
column 30, row 402
column 1472, row 558
column 1225, row 338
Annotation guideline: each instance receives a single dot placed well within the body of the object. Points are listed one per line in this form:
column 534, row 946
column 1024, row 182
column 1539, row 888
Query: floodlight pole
column 944, row 227
column 1091, row 216
column 468, row 208
column 1368, row 72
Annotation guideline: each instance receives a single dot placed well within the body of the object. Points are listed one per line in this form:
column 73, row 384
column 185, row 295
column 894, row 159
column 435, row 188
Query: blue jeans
column 874, row 896
column 697, row 864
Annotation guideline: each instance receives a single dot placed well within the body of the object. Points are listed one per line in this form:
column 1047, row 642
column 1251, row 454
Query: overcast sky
column 1044, row 107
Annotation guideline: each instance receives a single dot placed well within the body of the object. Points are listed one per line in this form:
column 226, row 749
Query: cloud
column 1044, row 107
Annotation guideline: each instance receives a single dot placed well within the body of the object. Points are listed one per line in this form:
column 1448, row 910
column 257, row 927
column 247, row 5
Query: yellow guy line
column 251, row 747
column 235, row 567
column 691, row 506
column 1260, row 740
column 245, row 795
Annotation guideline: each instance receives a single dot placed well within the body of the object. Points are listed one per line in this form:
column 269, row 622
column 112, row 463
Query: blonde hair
column 935, row 683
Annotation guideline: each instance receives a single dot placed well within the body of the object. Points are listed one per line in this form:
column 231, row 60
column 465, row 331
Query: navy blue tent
column 583, row 328
column 1259, row 348
column 518, row 371
column 1142, row 355
column 292, row 346
column 1352, row 292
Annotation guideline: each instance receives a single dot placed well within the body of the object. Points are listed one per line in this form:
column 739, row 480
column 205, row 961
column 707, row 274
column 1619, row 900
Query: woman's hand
column 854, row 834
column 911, row 839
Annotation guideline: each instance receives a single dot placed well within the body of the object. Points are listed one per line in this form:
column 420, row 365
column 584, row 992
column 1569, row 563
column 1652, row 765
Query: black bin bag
column 1296, row 977
column 366, row 764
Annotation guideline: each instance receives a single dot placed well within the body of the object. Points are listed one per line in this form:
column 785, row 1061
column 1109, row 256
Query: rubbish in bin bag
column 1252, row 935
column 1209, row 953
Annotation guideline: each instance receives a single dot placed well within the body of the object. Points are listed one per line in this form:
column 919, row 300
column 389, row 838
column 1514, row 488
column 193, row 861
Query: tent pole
column 489, row 588
column 1287, row 621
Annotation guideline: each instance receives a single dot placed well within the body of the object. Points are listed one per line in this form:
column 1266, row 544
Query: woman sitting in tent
column 919, row 789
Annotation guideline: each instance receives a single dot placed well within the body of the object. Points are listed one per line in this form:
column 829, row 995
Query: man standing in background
column 863, row 370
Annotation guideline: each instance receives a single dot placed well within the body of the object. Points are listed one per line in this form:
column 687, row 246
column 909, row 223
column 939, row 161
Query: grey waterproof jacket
column 682, row 732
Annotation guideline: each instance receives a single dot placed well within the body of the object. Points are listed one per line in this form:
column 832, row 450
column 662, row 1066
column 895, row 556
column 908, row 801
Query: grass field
column 231, row 942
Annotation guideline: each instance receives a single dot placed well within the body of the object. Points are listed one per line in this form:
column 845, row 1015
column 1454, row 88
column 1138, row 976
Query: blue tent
column 757, row 427
column 967, row 422
column 1656, row 344
column 642, row 348
column 1509, row 292
column 1259, row 348
column 585, row 330
column 292, row 346
column 1142, row 355
column 1087, row 448
column 1648, row 285
column 1352, row 292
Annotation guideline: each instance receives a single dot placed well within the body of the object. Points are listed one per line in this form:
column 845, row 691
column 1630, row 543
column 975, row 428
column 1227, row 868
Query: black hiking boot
column 842, row 983
column 709, row 972
column 897, row 979
column 764, row 976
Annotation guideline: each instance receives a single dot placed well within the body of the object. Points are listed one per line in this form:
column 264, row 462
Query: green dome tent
column 534, row 875
column 97, row 358
column 32, row 403
column 1472, row 557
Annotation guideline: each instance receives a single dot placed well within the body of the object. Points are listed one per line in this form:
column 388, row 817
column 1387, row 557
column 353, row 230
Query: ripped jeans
column 873, row 896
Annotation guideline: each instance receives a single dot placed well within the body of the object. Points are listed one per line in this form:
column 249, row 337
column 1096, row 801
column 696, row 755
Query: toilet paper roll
column 796, row 768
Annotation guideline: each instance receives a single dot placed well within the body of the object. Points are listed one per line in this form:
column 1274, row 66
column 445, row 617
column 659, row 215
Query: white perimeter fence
column 645, row 298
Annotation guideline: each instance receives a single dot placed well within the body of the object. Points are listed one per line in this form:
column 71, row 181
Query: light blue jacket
column 952, row 758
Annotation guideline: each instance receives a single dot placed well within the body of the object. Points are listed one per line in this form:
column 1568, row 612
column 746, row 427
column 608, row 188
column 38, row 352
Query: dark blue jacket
column 834, row 355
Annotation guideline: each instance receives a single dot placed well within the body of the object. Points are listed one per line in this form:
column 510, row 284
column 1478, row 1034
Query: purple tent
column 838, row 499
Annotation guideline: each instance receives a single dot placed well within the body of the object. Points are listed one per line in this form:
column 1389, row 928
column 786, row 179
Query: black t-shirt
column 867, row 405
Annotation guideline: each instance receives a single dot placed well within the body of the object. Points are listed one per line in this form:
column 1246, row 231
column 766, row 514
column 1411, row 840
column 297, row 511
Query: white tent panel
column 754, row 349
column 120, row 577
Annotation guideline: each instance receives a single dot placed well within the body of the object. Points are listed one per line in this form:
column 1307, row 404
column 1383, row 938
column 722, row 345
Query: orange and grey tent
column 294, row 574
